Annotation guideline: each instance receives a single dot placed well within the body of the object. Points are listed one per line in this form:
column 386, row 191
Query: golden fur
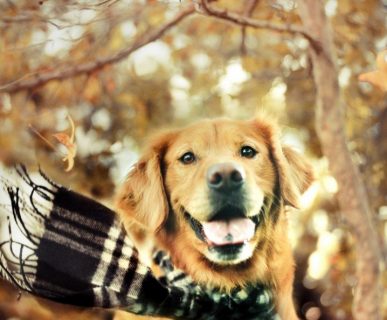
column 159, row 189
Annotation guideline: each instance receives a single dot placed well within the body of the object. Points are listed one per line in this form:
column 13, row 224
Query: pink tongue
column 232, row 231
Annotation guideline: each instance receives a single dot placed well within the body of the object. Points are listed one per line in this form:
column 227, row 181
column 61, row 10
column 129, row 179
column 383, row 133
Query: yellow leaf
column 378, row 77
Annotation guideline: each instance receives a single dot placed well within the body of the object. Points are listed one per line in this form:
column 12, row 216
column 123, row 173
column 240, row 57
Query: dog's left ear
column 295, row 173
column 142, row 198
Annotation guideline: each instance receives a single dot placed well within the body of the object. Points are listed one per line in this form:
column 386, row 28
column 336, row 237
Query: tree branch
column 208, row 10
column 41, row 79
column 352, row 195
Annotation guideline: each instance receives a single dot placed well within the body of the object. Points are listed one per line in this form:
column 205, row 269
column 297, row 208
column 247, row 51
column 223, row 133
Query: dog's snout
column 225, row 176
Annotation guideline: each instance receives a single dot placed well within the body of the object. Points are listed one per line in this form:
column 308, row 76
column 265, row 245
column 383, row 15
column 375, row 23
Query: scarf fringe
column 25, row 205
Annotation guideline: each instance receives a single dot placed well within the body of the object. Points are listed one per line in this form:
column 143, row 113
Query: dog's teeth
column 247, row 240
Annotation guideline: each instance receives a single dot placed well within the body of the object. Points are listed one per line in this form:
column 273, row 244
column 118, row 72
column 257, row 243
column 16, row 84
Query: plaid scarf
column 60, row 245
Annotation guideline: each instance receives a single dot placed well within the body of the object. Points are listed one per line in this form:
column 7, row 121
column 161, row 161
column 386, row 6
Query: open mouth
column 228, row 230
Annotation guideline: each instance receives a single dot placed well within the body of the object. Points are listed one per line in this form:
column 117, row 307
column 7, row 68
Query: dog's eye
column 248, row 152
column 187, row 158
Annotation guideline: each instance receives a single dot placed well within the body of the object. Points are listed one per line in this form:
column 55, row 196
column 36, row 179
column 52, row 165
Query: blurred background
column 200, row 68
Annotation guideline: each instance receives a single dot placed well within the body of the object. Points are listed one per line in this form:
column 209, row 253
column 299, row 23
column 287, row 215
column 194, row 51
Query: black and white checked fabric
column 60, row 245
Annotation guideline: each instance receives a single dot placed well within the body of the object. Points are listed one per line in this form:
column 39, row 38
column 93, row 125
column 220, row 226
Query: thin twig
column 89, row 67
column 42, row 137
column 249, row 9
column 216, row 13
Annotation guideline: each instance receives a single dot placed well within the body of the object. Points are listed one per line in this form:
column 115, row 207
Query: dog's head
column 213, row 191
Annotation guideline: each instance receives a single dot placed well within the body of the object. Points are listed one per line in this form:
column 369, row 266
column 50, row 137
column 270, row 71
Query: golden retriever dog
column 213, row 196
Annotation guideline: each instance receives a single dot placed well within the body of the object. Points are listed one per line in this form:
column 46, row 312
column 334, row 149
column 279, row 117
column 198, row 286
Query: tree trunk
column 352, row 195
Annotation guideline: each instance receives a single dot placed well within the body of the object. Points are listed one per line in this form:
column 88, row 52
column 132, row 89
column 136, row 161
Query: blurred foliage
column 198, row 69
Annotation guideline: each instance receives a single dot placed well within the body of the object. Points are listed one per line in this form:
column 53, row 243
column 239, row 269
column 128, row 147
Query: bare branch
column 216, row 13
column 41, row 79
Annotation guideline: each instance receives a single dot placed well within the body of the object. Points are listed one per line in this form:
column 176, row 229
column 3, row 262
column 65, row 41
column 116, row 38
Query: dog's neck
column 247, row 301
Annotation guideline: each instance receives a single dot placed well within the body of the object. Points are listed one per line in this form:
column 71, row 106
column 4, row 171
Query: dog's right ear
column 142, row 198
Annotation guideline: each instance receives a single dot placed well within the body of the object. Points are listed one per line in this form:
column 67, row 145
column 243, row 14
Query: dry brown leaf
column 69, row 143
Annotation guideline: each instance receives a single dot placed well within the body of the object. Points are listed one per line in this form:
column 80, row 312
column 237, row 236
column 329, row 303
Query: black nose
column 225, row 177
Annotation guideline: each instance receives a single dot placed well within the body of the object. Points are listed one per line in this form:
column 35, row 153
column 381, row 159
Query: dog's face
column 218, row 175
column 213, row 191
